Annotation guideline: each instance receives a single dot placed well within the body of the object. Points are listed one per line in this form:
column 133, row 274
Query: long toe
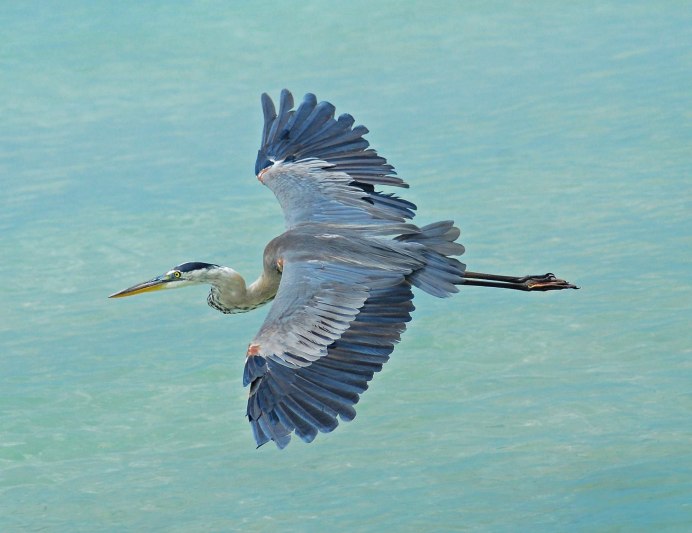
column 548, row 282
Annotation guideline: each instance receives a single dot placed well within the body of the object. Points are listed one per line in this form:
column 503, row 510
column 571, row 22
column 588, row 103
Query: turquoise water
column 558, row 136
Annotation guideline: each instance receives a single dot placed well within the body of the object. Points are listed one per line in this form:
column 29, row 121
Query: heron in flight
column 341, row 275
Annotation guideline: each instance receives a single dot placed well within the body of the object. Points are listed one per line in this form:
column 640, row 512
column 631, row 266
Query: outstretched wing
column 331, row 326
column 321, row 169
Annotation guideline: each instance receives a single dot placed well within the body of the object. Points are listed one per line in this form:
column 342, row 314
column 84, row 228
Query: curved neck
column 229, row 293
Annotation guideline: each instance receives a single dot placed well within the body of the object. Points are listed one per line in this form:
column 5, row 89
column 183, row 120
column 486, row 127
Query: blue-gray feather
column 309, row 400
column 311, row 133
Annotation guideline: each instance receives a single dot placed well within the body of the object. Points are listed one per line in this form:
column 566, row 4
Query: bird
column 341, row 276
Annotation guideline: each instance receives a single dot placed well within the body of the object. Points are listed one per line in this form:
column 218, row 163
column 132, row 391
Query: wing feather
column 310, row 398
column 273, row 122
column 321, row 168
column 315, row 304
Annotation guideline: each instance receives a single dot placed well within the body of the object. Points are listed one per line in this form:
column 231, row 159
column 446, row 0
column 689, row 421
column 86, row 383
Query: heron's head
column 179, row 276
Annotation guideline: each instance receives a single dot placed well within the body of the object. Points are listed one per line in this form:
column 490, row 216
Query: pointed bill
column 148, row 286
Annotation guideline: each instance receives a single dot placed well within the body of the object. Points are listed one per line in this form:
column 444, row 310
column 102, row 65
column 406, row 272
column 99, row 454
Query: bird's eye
column 176, row 273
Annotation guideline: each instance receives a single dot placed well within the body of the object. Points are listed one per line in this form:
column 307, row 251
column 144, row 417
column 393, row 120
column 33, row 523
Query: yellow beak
column 148, row 286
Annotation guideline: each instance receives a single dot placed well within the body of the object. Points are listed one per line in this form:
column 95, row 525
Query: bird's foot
column 545, row 282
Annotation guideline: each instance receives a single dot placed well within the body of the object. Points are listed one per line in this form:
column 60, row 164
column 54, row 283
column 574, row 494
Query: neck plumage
column 229, row 293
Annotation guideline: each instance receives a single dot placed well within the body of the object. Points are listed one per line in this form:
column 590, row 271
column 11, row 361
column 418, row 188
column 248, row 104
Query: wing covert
column 316, row 302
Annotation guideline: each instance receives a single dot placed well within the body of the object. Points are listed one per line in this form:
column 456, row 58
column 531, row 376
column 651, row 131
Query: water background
column 557, row 135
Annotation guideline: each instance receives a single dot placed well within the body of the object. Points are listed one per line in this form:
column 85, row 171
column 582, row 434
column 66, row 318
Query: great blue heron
column 341, row 275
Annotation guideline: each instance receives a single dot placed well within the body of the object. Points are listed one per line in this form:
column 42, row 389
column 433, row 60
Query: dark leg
column 545, row 282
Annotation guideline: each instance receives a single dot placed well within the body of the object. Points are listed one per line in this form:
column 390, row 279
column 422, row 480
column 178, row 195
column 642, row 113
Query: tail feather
column 441, row 273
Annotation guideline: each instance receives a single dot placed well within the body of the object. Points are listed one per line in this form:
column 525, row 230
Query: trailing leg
column 545, row 282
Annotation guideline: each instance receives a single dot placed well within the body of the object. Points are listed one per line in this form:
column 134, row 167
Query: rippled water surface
column 557, row 136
